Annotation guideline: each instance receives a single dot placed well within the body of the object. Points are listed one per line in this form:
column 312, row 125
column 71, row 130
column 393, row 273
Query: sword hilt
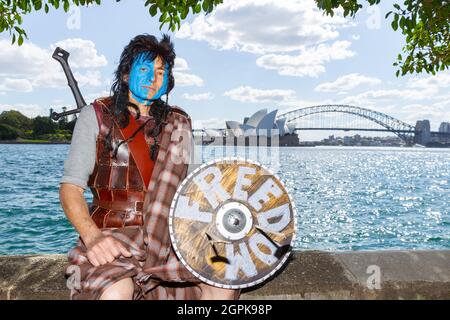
column 62, row 57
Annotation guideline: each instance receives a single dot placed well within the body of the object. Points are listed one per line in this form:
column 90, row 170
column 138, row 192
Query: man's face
column 148, row 79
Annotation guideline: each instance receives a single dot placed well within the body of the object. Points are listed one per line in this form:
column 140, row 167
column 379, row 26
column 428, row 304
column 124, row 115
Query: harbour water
column 347, row 198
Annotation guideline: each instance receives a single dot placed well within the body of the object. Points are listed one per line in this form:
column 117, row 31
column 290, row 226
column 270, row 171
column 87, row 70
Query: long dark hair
column 120, row 88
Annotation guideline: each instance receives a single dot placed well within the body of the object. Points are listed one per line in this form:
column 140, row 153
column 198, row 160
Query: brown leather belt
column 137, row 206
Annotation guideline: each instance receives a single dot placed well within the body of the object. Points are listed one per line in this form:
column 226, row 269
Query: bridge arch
column 402, row 129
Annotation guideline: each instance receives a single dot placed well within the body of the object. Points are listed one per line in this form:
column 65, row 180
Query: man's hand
column 104, row 249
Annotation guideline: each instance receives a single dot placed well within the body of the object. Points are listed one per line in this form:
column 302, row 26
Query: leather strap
column 98, row 105
column 120, row 205
column 139, row 149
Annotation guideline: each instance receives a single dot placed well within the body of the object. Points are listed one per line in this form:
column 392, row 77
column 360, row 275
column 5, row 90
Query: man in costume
column 123, row 148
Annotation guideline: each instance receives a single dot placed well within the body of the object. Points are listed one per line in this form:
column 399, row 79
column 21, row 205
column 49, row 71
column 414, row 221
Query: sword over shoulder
column 62, row 57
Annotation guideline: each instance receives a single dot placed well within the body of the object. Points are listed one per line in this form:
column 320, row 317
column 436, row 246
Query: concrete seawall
column 309, row 275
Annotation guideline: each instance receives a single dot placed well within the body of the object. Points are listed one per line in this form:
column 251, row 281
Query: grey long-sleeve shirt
column 81, row 159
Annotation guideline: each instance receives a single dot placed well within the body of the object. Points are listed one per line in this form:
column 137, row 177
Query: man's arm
column 77, row 168
column 76, row 209
column 100, row 249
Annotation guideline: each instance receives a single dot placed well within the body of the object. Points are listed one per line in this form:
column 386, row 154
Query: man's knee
column 219, row 293
column 229, row 294
column 121, row 290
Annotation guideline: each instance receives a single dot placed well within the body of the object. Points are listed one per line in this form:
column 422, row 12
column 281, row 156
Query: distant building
column 423, row 132
column 260, row 123
column 444, row 127
column 261, row 126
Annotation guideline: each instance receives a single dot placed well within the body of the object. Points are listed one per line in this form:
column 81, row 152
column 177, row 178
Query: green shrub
column 8, row 132
column 43, row 125
column 15, row 119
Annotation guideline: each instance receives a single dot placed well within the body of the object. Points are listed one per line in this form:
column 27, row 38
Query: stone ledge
column 309, row 275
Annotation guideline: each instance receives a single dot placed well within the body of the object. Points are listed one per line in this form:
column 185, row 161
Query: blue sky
column 248, row 55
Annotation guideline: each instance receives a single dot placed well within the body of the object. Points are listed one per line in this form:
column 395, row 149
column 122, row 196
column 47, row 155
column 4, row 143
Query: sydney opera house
column 261, row 125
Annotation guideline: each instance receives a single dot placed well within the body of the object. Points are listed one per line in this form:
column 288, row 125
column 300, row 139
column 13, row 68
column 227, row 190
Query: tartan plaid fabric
column 154, row 267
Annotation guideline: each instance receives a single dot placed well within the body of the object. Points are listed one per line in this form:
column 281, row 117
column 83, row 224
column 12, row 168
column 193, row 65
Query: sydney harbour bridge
column 334, row 118
column 326, row 117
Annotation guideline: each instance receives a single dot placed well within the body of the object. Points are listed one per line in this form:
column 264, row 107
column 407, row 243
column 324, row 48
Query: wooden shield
column 232, row 223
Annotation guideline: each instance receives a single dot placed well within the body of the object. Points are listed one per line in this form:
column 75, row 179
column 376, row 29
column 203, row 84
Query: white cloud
column 30, row 66
column 274, row 28
column 30, row 110
column 92, row 96
column 422, row 113
column 92, row 78
column 213, row 123
column 440, row 80
column 294, row 104
column 406, row 104
column 83, row 53
column 443, row 102
column 25, row 60
column 180, row 64
column 186, row 79
column 264, row 26
column 372, row 96
column 423, row 92
column 310, row 62
column 198, row 96
column 21, row 85
column 249, row 94
column 347, row 82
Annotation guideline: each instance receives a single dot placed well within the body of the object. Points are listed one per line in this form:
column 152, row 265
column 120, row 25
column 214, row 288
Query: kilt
column 164, row 281
column 156, row 271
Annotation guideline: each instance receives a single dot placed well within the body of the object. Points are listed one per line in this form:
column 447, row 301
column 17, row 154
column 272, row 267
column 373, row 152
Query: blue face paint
column 165, row 82
column 142, row 79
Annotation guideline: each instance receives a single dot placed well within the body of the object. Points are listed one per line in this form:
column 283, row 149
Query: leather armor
column 116, row 183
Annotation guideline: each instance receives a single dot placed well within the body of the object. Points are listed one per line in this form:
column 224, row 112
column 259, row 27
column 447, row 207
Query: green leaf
column 402, row 22
column 184, row 13
column 394, row 23
column 66, row 6
column 37, row 5
column 163, row 17
column 205, row 5
column 153, row 10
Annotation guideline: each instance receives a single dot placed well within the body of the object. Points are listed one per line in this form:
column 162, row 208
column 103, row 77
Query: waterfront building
column 423, row 132
column 264, row 124
column 444, row 127
column 260, row 123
